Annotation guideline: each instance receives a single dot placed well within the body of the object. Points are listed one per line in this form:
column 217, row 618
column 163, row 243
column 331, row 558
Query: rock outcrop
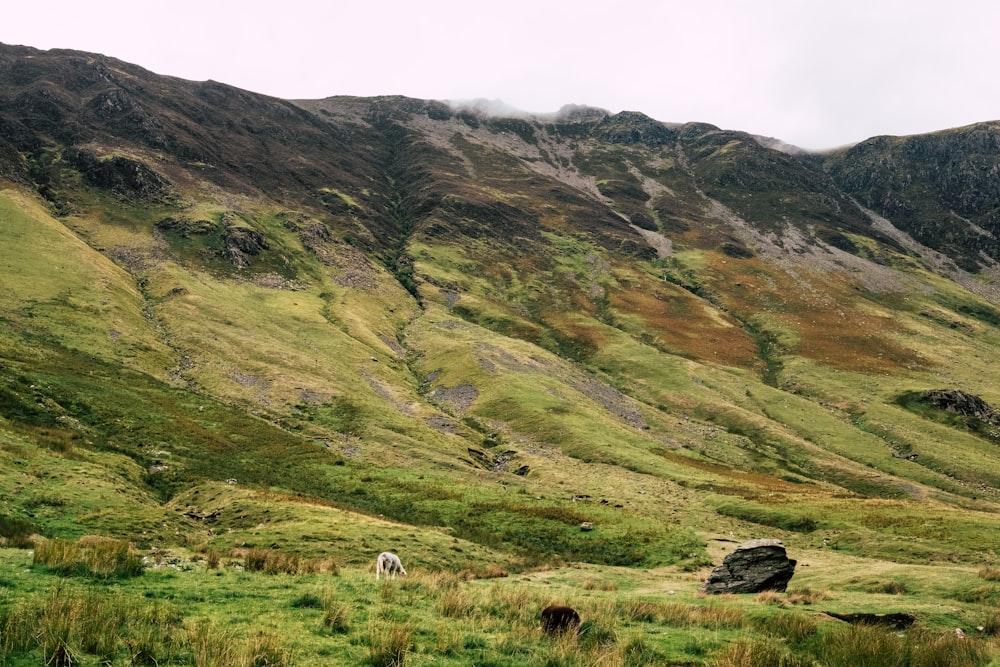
column 754, row 566
column 961, row 403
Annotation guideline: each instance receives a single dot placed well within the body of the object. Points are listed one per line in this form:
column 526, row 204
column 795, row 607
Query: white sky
column 814, row 73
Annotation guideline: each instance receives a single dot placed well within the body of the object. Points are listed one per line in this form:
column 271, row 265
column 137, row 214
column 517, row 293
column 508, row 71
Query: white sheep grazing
column 389, row 564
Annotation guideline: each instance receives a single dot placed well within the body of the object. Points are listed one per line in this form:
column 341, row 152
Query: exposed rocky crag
column 754, row 566
column 962, row 403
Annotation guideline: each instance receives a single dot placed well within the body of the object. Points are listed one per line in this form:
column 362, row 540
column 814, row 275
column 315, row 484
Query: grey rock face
column 754, row 566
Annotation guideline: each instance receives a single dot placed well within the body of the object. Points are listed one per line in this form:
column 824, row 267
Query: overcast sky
column 814, row 73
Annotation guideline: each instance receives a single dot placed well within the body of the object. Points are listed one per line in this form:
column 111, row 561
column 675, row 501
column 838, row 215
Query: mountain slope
column 939, row 188
column 491, row 329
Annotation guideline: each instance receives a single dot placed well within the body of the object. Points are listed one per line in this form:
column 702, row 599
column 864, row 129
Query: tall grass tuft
column 280, row 563
column 637, row 653
column 389, row 644
column 58, row 554
column 336, row 616
column 928, row 649
column 16, row 532
column 103, row 616
column 57, row 630
column 791, row 626
column 598, row 632
column 213, row 646
column 772, row 597
column 677, row 614
column 493, row 571
column 67, row 624
column 719, row 617
column 456, row 603
column 16, row 634
column 272, row 562
column 592, row 584
column 887, row 587
column 448, row 639
column 808, row 596
column 864, row 646
column 991, row 624
column 319, row 566
column 438, row 581
column 758, row 653
column 989, row 573
column 212, row 558
column 638, row 610
column 255, row 560
column 563, row 651
column 95, row 557
column 514, row 605
column 113, row 559
column 716, row 617
column 264, row 649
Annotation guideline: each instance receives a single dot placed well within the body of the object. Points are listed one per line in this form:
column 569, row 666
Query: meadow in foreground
column 262, row 608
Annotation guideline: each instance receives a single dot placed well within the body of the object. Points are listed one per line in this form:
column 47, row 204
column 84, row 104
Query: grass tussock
column 67, row 624
column 212, row 559
column 434, row 581
column 336, row 617
column 389, row 644
column 990, row 573
column 17, row 533
column 887, row 587
column 592, row 584
column 871, row 646
column 490, row 571
column 990, row 625
column 794, row 627
column 93, row 557
column 599, row 632
column 758, row 653
column 210, row 645
column 270, row 561
column 807, row 596
column 772, row 597
column 456, row 603
column 638, row 610
column 513, row 605
column 716, row 617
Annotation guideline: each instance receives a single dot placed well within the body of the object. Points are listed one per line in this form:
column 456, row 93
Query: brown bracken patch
column 678, row 321
column 832, row 322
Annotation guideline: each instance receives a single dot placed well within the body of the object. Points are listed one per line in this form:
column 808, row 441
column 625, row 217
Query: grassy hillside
column 235, row 328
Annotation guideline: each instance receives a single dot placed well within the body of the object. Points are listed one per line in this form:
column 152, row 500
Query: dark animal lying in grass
column 557, row 619
column 389, row 564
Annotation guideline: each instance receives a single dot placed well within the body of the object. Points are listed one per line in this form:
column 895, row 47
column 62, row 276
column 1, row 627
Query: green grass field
column 195, row 608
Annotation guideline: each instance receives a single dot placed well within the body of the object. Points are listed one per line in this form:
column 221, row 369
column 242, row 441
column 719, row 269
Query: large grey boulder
column 754, row 566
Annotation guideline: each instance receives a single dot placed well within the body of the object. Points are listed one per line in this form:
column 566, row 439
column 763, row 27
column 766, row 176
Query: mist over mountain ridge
column 568, row 112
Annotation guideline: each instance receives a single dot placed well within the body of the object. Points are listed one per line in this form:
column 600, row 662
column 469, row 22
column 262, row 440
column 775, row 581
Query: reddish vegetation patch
column 588, row 338
column 746, row 484
column 680, row 322
column 854, row 341
column 831, row 322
